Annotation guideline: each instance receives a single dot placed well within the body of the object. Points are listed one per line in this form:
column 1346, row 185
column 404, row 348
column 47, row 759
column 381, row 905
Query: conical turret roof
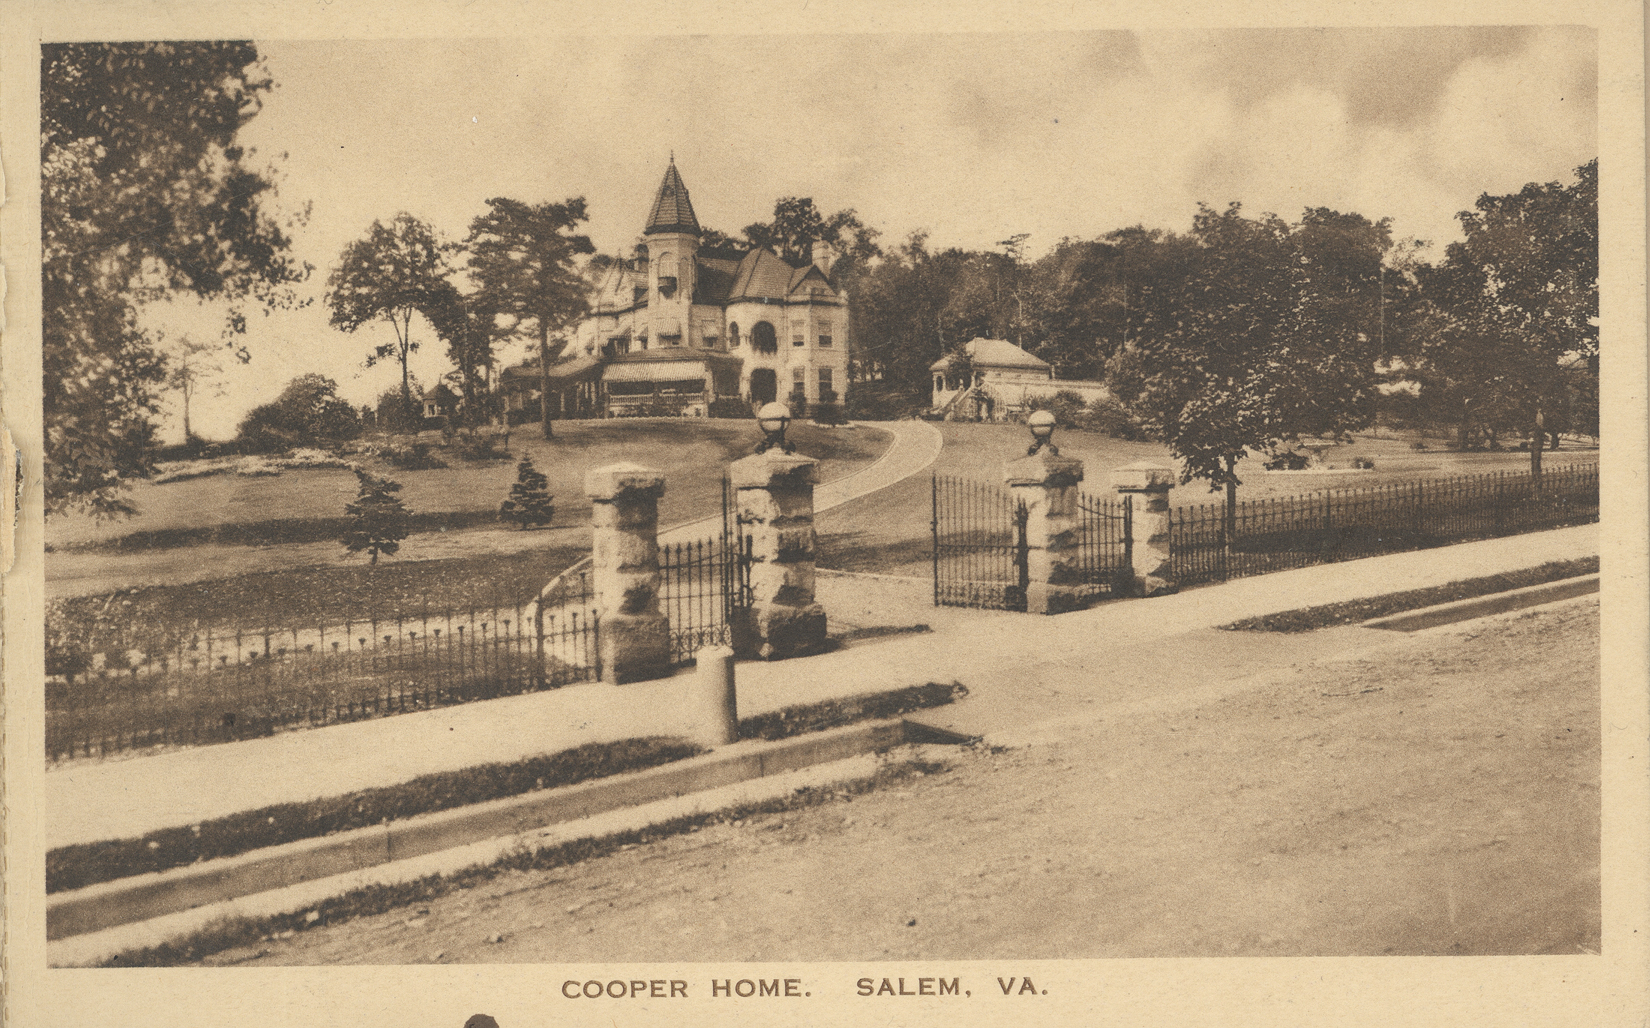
column 672, row 210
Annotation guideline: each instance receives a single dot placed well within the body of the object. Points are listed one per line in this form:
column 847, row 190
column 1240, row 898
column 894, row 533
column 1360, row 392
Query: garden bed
column 1307, row 619
column 77, row 866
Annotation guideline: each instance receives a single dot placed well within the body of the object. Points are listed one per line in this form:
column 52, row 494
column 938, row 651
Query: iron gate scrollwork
column 703, row 583
column 980, row 550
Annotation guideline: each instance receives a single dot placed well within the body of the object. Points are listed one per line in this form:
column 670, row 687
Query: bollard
column 713, row 707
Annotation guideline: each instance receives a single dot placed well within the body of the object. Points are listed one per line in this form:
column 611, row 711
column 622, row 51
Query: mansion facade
column 679, row 327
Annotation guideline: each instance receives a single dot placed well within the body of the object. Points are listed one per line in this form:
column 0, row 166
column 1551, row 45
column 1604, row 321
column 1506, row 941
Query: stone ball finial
column 1042, row 424
column 772, row 419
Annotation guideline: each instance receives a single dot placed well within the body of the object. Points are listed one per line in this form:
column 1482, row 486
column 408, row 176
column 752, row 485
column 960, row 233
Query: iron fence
column 700, row 585
column 1209, row 543
column 1105, row 544
column 979, row 538
column 214, row 685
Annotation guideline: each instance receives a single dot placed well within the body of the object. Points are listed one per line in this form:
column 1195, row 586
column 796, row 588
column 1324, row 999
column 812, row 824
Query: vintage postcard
column 530, row 514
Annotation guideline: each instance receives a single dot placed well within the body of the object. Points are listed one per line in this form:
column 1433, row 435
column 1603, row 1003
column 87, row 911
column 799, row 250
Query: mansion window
column 825, row 338
column 733, row 336
column 824, row 380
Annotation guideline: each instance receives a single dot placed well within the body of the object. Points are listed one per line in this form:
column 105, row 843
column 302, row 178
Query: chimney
column 823, row 257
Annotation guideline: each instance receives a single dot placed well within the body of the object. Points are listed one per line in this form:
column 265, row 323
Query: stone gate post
column 624, row 518
column 1149, row 484
column 774, row 497
column 1047, row 484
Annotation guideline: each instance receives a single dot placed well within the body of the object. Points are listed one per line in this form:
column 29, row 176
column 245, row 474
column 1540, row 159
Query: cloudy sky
column 971, row 138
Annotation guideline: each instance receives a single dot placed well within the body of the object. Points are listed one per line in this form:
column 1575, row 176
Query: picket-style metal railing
column 147, row 688
column 1209, row 543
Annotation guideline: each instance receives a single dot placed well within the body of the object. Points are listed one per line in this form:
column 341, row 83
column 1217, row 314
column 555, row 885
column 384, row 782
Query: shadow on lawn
column 864, row 552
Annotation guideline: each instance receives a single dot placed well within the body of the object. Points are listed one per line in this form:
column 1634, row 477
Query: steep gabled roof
column 762, row 275
column 672, row 210
column 803, row 274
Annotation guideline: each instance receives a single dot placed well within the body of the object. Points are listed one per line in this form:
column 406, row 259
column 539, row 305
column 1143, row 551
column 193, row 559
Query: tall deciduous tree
column 1260, row 333
column 522, row 259
column 397, row 271
column 145, row 194
column 797, row 225
column 1519, row 298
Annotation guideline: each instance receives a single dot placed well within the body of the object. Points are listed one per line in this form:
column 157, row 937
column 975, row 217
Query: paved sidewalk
column 1022, row 670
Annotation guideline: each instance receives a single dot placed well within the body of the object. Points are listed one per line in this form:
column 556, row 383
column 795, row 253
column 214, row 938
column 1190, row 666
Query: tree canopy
column 145, row 193
column 1516, row 310
column 527, row 285
column 308, row 412
column 396, row 271
column 1254, row 334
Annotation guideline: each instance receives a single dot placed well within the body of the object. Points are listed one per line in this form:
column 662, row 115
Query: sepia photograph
column 795, row 517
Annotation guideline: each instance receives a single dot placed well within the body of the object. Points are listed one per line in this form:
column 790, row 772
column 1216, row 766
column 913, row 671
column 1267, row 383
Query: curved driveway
column 916, row 445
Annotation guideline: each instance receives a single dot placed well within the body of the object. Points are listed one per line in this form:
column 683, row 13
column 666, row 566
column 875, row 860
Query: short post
column 713, row 707
column 774, row 497
column 1046, row 483
column 1148, row 484
column 624, row 517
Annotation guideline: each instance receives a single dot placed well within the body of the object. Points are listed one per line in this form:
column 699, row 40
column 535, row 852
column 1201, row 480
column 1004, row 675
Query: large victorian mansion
column 679, row 327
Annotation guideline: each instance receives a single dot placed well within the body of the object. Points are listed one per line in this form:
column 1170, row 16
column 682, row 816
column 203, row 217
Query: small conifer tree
column 378, row 519
column 530, row 499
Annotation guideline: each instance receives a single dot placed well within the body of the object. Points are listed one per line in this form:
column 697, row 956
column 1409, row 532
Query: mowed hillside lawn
column 888, row 531
column 317, row 581
column 693, row 455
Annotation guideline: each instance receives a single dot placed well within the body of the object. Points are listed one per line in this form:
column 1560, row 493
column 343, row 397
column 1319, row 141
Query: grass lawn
column 305, row 597
column 691, row 452
column 888, row 531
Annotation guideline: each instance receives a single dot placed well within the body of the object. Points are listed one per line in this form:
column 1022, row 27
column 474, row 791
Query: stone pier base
column 774, row 493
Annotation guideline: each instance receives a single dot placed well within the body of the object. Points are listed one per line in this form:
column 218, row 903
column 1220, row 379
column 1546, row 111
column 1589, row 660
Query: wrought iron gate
column 979, row 534
column 1105, row 544
column 703, row 583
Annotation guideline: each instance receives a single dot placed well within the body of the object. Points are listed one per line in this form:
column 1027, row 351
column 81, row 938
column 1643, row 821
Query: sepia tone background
column 1559, row 990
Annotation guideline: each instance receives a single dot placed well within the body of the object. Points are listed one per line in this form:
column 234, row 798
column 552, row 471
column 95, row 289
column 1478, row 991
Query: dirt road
column 1438, row 796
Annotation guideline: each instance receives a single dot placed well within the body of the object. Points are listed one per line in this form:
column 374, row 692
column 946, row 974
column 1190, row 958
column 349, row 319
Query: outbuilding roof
column 995, row 353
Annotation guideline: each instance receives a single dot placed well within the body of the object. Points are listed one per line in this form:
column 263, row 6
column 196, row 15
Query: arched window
column 733, row 335
column 763, row 338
